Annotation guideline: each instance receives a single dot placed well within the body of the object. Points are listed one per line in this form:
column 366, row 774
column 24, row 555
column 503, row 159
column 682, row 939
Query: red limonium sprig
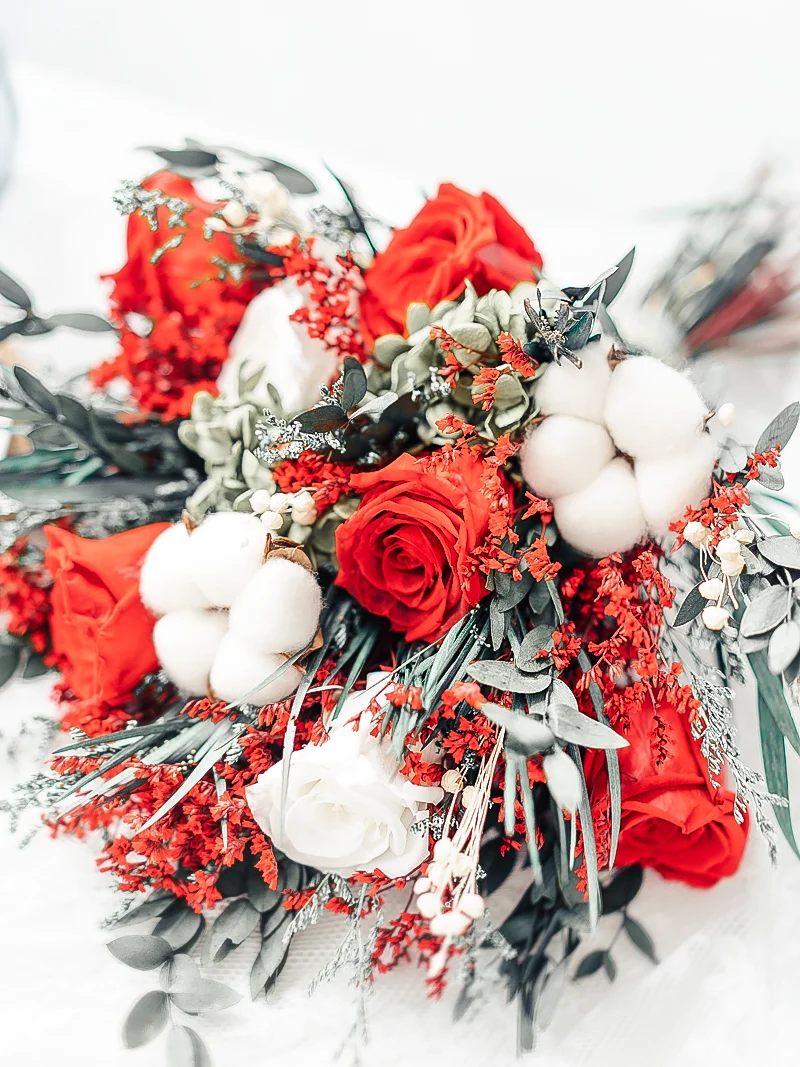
column 328, row 481
column 24, row 597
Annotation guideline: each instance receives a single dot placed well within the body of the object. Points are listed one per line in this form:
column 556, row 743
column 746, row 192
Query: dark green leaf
column 354, row 384
column 610, row 967
column 75, row 415
column 769, row 608
column 580, row 332
column 526, row 733
column 234, row 924
column 34, row 667
column 140, row 951
column 270, row 957
column 41, row 396
column 13, row 292
column 82, row 320
column 784, row 644
column 178, row 971
column 322, row 419
column 9, row 658
column 202, row 995
column 506, row 677
column 540, row 637
column 640, row 937
column 691, row 607
column 782, row 551
column 770, row 690
column 156, row 904
column 622, row 889
column 590, row 963
column 571, row 725
column 776, row 774
column 185, row 1048
column 146, row 1019
column 179, row 925
column 259, row 893
column 185, row 158
column 618, row 278
column 780, row 430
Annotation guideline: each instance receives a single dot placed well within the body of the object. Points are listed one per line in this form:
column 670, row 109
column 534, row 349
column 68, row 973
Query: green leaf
column 621, row 890
column 179, row 925
column 612, row 760
column 82, row 320
column 691, row 607
column 156, row 904
column 590, row 964
column 146, row 1019
column 234, row 924
column 769, row 608
column 776, row 774
column 782, row 551
column 354, row 384
column 185, row 1048
column 9, row 658
column 571, row 725
column 548, row 999
column 34, row 667
column 140, row 951
column 12, row 291
column 540, row 637
column 470, row 335
column 268, row 962
column 202, row 995
column 610, row 967
column 505, row 677
column 39, row 394
column 732, row 457
column 771, row 478
column 640, row 937
column 180, row 970
column 526, row 733
column 784, row 644
column 619, row 277
column 259, row 893
column 780, row 430
column 770, row 691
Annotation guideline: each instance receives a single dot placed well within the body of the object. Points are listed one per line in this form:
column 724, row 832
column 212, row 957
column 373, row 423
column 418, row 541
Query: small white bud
column 234, row 214
column 450, row 924
column 472, row 904
column 712, row 589
column 279, row 502
column 429, row 905
column 729, row 548
column 715, row 618
column 304, row 509
column 260, row 501
column 732, row 567
column 745, row 536
column 272, row 520
column 452, row 781
column 422, row 885
column 215, row 223
column 461, row 864
column 696, row 534
column 726, row 414
column 443, row 850
column 436, row 873
column 468, row 795
column 563, row 780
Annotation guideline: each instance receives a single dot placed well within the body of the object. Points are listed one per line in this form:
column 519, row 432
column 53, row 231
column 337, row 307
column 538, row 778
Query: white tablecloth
column 728, row 985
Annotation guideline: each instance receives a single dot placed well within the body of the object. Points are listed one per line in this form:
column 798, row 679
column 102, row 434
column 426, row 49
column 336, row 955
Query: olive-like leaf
column 180, row 970
column 763, row 613
column 82, row 320
column 771, row 478
column 259, row 893
column 141, row 951
column 590, row 963
column 179, row 925
column 784, row 644
column 548, row 999
column 619, row 277
column 527, row 733
column 622, row 889
column 234, row 924
column 322, row 419
column 782, row 551
column 693, row 603
column 271, row 956
column 540, row 637
column 191, row 158
column 9, row 658
column 185, row 1048
column 36, row 392
column 572, row 726
column 640, row 937
column 780, row 430
column 146, row 1019
column 506, row 677
column 156, row 904
column 354, row 384
column 202, row 995
column 13, row 292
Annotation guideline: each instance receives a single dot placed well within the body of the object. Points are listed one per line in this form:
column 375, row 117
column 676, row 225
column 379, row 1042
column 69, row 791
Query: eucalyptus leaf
column 763, row 613
column 179, row 925
column 693, row 603
column 540, row 637
column 621, row 889
column 780, row 430
column 771, row 478
column 527, row 733
column 782, row 551
column 35, row 391
column 732, row 457
column 141, row 951
column 640, row 937
column 234, row 924
column 784, row 645
column 548, row 999
column 82, row 320
column 156, row 904
column 146, row 1019
column 590, row 964
column 776, row 773
column 354, row 384
column 180, row 970
column 271, row 955
column 505, row 677
column 9, row 658
column 202, row 995
column 770, row 691
column 323, row 419
column 185, row 1048
column 262, row 898
column 572, row 726
column 14, row 292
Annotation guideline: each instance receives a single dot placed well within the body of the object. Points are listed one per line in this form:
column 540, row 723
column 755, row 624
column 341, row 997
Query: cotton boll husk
column 668, row 486
column 565, row 389
column 224, row 553
column 237, row 672
column 604, row 517
column 564, row 454
column 278, row 610
column 652, row 410
column 186, row 642
column 166, row 582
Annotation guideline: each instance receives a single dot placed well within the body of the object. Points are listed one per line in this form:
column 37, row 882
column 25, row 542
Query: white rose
column 296, row 364
column 347, row 809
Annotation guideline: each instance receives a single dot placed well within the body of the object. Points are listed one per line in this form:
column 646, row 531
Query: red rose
column 99, row 628
column 193, row 314
column 454, row 237
column 673, row 819
column 406, row 553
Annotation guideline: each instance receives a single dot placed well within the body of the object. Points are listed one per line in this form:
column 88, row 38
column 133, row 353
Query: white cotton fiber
column 238, row 671
column 225, row 551
column 604, row 517
column 278, row 610
column 186, row 643
column 565, row 389
column 668, row 486
column 166, row 582
column 652, row 411
column 563, row 454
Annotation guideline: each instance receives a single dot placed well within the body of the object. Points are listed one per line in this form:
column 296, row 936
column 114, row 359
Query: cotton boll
column 565, row 389
column 652, row 410
column 186, row 642
column 668, row 486
column 166, row 581
column 224, row 553
column 604, row 517
column 563, row 454
column 278, row 610
column 237, row 672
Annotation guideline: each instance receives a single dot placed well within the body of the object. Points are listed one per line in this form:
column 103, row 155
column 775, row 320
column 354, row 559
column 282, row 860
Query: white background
column 593, row 123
